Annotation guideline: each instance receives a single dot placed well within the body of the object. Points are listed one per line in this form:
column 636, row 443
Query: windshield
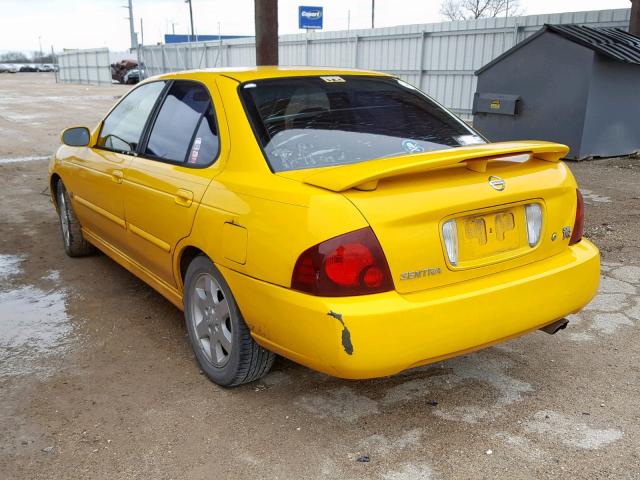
column 311, row 122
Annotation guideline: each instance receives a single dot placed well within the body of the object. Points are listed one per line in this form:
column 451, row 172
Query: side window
column 123, row 127
column 185, row 128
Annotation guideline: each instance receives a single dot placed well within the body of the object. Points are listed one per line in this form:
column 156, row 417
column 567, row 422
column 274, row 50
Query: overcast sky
column 98, row 23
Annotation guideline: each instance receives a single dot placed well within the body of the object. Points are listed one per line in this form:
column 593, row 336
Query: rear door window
column 184, row 130
column 310, row 122
column 122, row 129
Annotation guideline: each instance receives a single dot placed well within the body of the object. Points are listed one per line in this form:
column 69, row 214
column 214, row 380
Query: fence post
column 423, row 41
column 204, row 55
column 355, row 51
column 86, row 64
column 55, row 63
column 306, row 49
column 98, row 68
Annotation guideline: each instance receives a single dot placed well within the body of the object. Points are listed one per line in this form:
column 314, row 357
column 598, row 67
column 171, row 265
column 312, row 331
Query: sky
column 27, row 24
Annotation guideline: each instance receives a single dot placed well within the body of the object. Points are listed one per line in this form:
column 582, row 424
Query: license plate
column 491, row 234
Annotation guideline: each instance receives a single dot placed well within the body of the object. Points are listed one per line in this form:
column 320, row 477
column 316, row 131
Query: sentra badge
column 425, row 272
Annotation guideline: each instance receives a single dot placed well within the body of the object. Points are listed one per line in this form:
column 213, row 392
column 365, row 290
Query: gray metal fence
column 440, row 58
column 84, row 66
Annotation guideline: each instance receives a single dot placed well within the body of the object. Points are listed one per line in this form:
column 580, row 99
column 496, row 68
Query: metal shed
column 571, row 84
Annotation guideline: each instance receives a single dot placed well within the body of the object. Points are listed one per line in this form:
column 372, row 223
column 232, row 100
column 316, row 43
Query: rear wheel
column 74, row 243
column 219, row 336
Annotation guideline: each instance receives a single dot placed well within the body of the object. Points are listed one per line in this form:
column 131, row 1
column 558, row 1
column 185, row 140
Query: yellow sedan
column 339, row 218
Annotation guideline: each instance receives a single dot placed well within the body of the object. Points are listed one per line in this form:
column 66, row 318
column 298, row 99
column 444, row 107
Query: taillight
column 578, row 226
column 350, row 264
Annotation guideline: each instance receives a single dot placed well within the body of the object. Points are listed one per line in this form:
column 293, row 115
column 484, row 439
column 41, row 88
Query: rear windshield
column 312, row 122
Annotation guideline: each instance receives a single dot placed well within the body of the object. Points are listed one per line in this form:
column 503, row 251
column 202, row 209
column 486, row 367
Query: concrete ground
column 97, row 379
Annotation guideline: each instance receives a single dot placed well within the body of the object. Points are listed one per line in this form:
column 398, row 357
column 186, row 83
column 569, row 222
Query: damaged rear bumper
column 383, row 334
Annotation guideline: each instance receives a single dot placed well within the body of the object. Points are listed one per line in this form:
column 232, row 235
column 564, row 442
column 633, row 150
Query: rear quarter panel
column 282, row 217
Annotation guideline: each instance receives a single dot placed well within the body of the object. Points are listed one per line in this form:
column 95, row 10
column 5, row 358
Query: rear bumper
column 390, row 332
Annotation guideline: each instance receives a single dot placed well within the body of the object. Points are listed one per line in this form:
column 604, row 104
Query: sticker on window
column 195, row 150
column 410, row 146
column 469, row 140
column 333, row 79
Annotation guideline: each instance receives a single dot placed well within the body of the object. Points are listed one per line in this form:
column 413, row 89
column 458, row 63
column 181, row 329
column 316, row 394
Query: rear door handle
column 117, row 176
column 184, row 197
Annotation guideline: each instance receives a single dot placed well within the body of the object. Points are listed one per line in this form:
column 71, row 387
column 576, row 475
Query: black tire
column 237, row 359
column 74, row 243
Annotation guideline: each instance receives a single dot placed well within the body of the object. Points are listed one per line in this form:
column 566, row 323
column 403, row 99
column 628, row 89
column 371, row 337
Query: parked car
column 28, row 68
column 45, row 68
column 339, row 218
column 120, row 69
column 8, row 68
column 133, row 76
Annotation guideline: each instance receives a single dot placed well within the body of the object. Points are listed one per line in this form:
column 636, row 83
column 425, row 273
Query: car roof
column 259, row 73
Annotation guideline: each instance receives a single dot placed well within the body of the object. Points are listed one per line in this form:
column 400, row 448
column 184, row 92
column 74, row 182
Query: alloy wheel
column 211, row 320
column 64, row 218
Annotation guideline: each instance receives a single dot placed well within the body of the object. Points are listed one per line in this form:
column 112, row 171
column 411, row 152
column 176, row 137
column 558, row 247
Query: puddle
column 9, row 266
column 570, row 431
column 590, row 196
column 410, row 471
column 33, row 326
column 30, row 158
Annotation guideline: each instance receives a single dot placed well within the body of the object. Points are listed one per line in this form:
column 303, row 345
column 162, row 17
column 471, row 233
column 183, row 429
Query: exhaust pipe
column 556, row 326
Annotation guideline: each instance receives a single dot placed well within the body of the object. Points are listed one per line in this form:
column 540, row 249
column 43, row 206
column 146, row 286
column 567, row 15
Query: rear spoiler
column 365, row 175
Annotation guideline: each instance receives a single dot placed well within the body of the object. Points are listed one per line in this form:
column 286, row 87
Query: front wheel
column 218, row 334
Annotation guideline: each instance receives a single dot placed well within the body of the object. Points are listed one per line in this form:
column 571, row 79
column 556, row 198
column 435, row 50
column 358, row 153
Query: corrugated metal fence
column 439, row 58
column 84, row 66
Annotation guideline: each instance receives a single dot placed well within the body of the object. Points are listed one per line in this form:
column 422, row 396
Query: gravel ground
column 97, row 379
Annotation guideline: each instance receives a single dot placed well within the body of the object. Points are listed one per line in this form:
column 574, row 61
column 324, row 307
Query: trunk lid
column 407, row 200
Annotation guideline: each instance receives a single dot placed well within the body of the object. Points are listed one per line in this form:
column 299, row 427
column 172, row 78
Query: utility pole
column 141, row 32
column 191, row 39
column 132, row 32
column 40, row 43
column 266, row 18
column 634, row 21
column 373, row 13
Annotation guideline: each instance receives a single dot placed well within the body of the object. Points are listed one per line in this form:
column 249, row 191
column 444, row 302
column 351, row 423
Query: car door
column 166, row 181
column 96, row 182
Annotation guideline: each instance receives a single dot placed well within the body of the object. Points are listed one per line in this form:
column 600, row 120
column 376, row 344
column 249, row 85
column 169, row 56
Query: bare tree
column 16, row 57
column 472, row 9
column 36, row 57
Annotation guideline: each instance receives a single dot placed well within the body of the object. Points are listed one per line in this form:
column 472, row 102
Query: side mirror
column 76, row 137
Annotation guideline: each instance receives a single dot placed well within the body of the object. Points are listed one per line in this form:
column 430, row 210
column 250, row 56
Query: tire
column 218, row 334
column 74, row 243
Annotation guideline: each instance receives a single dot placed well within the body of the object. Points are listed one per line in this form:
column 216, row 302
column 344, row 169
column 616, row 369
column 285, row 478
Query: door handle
column 117, row 176
column 184, row 197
